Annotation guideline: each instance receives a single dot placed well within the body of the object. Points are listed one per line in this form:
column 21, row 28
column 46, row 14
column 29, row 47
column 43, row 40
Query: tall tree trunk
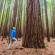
column 53, row 6
column 14, row 13
column 34, row 30
column 47, row 27
column 19, row 18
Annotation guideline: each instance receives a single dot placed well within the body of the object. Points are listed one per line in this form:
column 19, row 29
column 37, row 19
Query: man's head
column 14, row 27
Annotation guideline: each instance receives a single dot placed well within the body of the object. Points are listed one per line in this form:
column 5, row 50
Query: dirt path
column 50, row 50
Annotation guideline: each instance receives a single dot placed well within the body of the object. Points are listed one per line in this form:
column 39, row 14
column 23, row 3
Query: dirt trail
column 50, row 50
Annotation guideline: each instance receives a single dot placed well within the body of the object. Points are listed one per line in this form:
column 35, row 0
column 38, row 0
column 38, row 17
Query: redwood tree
column 47, row 26
column 34, row 30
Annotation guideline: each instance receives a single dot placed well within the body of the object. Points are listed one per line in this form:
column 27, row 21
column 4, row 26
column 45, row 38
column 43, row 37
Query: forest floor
column 49, row 50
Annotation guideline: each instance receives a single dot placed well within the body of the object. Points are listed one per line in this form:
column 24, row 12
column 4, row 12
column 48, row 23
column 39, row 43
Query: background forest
column 30, row 17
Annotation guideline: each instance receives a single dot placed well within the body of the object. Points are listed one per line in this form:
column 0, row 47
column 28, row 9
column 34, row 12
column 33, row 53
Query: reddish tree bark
column 34, row 30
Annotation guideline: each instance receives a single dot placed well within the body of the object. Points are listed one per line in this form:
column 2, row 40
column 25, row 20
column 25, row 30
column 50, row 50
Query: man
column 12, row 37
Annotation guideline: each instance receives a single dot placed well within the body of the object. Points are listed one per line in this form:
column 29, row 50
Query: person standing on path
column 12, row 37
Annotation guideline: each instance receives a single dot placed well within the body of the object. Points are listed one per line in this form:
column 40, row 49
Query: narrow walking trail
column 49, row 50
